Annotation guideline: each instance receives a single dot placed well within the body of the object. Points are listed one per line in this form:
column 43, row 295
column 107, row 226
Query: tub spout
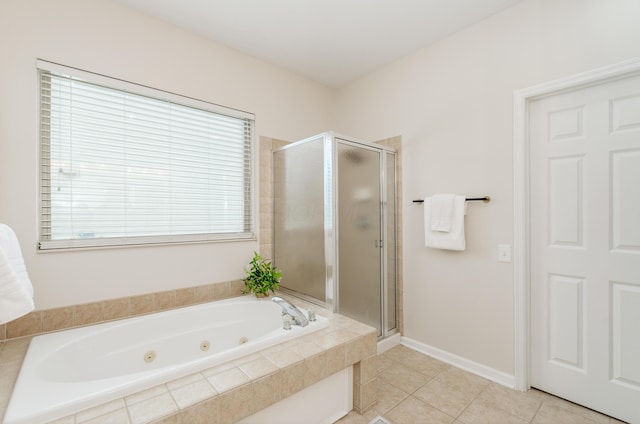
column 295, row 313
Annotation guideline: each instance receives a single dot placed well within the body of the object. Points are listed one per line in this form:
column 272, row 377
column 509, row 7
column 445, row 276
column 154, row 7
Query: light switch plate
column 504, row 253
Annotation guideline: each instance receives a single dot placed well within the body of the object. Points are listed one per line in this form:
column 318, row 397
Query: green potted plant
column 262, row 277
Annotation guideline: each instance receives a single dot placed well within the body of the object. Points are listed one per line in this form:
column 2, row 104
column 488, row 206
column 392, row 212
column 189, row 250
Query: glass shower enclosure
column 334, row 226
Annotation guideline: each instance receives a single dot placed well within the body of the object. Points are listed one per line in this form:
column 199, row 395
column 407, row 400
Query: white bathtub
column 71, row 370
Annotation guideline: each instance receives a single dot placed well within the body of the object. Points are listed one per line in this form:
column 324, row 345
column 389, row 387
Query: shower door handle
column 378, row 243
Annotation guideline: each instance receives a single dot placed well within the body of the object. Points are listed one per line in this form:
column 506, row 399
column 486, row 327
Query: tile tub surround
column 231, row 391
column 48, row 320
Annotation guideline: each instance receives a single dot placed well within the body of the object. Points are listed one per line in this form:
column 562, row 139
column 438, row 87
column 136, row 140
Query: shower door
column 360, row 269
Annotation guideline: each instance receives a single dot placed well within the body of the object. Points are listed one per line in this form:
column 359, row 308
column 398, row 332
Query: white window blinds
column 124, row 164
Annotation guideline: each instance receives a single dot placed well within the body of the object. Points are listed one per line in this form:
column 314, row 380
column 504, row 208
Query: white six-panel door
column 585, row 246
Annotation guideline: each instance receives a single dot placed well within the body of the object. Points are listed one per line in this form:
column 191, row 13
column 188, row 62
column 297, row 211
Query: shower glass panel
column 298, row 190
column 390, row 241
column 359, row 234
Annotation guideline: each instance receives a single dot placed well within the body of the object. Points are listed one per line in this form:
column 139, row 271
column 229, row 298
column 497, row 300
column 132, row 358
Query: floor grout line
column 468, row 405
column 537, row 410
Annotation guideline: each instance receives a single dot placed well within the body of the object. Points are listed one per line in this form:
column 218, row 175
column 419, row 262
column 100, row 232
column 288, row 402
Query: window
column 126, row 164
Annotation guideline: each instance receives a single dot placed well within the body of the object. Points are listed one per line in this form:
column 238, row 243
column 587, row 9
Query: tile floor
column 415, row 388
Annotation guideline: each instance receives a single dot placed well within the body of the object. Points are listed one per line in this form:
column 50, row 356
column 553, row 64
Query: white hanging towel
column 449, row 240
column 16, row 291
column 442, row 212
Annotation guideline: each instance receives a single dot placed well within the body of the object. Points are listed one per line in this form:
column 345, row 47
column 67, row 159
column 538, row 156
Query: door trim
column 521, row 198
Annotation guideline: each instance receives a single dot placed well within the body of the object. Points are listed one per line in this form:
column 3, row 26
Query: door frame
column 522, row 200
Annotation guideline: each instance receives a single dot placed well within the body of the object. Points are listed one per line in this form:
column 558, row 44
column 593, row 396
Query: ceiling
column 330, row 41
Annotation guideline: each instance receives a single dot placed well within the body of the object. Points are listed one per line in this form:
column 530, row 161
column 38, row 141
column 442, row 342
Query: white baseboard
column 489, row 373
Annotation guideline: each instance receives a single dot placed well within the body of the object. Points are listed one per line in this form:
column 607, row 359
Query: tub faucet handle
column 286, row 321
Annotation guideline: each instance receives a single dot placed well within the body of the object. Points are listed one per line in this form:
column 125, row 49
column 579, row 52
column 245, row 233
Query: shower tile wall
column 267, row 145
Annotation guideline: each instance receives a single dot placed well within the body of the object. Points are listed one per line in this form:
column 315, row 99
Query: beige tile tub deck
column 231, row 391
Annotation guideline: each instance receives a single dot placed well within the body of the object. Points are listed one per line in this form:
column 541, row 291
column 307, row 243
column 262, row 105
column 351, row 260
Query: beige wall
column 452, row 104
column 107, row 38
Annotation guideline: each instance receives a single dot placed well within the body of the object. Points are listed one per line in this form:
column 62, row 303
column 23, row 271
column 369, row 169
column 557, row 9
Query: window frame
column 117, row 84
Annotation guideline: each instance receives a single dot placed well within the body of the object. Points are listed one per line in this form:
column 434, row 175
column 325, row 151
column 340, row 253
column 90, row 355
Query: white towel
column 16, row 291
column 441, row 212
column 452, row 240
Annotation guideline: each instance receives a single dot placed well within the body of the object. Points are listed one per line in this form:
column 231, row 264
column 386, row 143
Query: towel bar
column 485, row 199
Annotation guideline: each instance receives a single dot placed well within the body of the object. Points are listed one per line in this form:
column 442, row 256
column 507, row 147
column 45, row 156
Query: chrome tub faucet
column 289, row 309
